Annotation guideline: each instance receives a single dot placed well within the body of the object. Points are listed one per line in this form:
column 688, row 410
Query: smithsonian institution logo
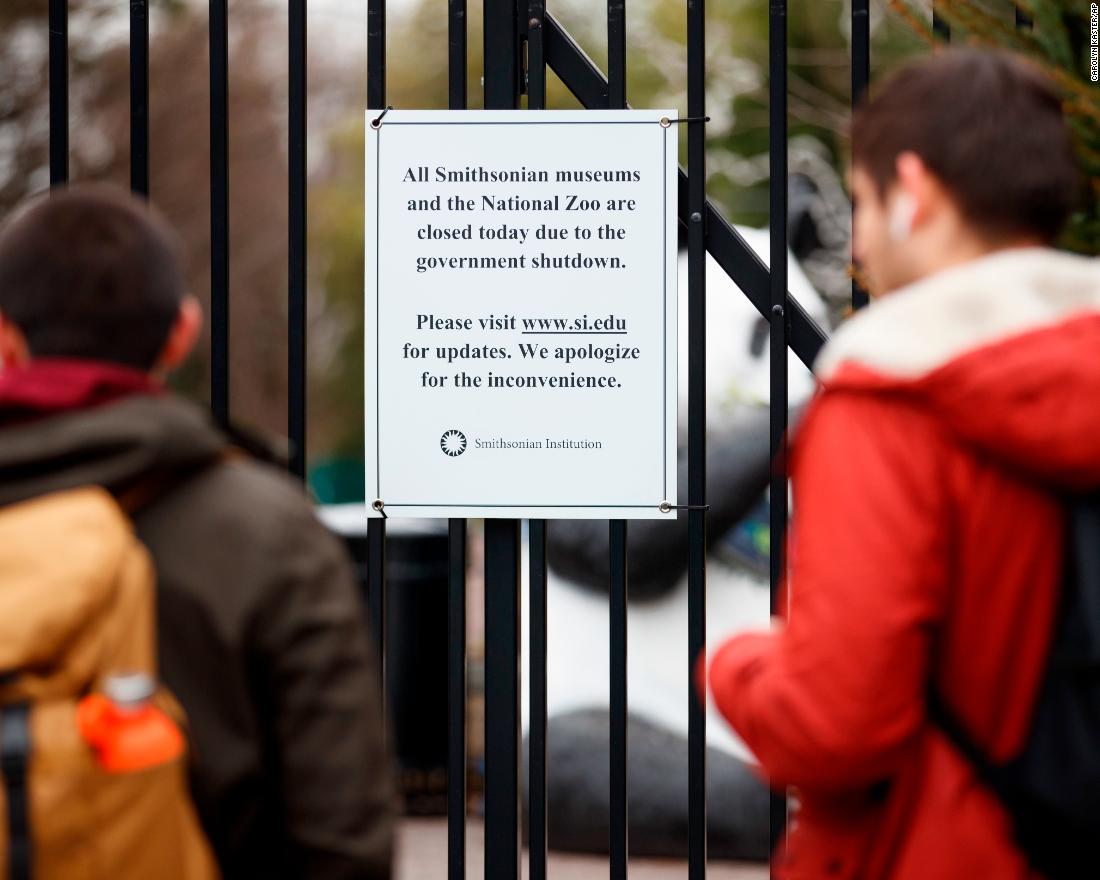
column 453, row 442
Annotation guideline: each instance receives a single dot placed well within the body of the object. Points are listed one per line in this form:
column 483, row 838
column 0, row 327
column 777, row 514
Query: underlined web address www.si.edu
column 604, row 324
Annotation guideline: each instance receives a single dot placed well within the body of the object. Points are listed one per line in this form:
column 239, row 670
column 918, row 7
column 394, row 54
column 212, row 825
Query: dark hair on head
column 91, row 272
column 989, row 125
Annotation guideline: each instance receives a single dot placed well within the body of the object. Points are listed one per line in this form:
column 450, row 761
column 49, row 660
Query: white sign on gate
column 521, row 313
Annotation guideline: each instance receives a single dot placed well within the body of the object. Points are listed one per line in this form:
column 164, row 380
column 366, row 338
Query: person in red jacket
column 926, row 538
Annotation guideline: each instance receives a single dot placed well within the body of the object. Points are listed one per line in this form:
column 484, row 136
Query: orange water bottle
column 125, row 727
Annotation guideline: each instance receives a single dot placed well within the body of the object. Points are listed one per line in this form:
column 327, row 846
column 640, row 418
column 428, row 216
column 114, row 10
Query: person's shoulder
column 245, row 490
column 863, row 425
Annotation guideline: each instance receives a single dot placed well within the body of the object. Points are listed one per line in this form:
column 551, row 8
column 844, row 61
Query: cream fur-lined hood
column 1006, row 347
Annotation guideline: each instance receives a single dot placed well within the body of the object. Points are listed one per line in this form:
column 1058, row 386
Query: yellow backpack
column 92, row 761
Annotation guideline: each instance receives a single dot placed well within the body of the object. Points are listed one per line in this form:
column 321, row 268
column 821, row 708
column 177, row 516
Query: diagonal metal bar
column 588, row 84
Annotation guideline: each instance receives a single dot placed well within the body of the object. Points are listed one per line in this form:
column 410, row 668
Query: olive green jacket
column 261, row 633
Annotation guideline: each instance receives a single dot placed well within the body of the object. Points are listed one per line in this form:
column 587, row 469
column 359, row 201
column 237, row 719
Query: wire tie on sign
column 378, row 504
column 666, row 507
column 665, row 122
column 376, row 123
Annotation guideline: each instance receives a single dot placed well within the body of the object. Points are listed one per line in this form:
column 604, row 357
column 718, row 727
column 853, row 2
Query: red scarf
column 54, row 385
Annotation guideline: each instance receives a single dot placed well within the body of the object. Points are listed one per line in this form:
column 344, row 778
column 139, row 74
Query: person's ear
column 917, row 192
column 182, row 337
column 14, row 351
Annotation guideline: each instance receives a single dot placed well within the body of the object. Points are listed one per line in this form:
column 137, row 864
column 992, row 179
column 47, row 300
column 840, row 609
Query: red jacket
column 925, row 548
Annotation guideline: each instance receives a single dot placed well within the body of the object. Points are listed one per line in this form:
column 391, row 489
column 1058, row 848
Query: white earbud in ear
column 902, row 215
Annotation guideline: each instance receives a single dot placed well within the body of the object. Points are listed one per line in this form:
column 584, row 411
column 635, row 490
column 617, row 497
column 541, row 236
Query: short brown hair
column 989, row 125
column 91, row 272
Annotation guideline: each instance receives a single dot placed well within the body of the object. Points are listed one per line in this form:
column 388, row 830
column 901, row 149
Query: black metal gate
column 521, row 40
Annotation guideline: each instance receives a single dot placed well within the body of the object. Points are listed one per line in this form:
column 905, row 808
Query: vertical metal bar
column 456, row 700
column 861, row 78
column 536, row 56
column 376, row 595
column 456, row 54
column 456, row 651
column 376, row 54
column 617, row 637
column 536, row 541
column 502, row 633
column 59, row 91
column 618, row 738
column 296, row 337
column 940, row 27
column 139, row 96
column 697, row 425
column 502, row 698
column 501, row 55
column 780, row 330
column 616, row 54
column 219, row 210
column 376, row 528
column 536, row 783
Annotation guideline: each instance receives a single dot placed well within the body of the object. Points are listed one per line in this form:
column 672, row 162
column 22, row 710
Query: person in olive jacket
column 261, row 633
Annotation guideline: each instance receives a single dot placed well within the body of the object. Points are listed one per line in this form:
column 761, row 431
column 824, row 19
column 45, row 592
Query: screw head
column 696, row 217
column 378, row 504
column 777, row 309
column 664, row 507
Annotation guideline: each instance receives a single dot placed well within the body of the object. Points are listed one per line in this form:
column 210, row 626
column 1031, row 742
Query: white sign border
column 377, row 506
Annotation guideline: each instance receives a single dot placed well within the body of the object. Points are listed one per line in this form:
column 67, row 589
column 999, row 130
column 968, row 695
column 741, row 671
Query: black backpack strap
column 15, row 753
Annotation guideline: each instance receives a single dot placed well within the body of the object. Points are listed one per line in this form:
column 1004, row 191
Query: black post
column 861, row 77
column 376, row 596
column 697, row 428
column 502, row 754
column 296, row 313
column 456, row 651
column 219, row 210
column 139, row 96
column 456, row 700
column 536, row 55
column 456, row 54
column 780, row 333
column 502, row 698
column 376, row 528
column 376, row 54
column 617, row 641
column 59, row 91
column 619, row 843
column 536, row 780
column 536, row 540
